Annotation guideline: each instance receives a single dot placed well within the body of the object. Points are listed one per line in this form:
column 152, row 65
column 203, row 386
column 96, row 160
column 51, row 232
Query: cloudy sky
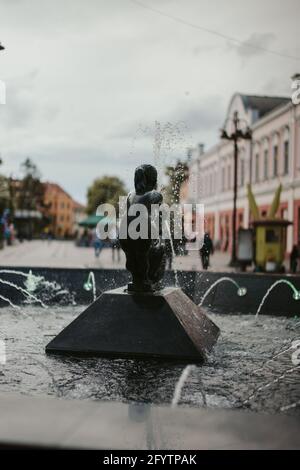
column 87, row 79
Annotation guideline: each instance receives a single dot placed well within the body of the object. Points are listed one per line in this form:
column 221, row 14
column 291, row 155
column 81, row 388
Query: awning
column 271, row 222
column 92, row 220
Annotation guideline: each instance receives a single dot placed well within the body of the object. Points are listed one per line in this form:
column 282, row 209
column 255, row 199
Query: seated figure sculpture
column 128, row 322
column 145, row 258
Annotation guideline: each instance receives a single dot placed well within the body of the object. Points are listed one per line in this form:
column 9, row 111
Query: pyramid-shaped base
column 166, row 325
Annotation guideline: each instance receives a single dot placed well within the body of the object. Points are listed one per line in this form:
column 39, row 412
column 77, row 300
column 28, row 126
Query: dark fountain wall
column 223, row 298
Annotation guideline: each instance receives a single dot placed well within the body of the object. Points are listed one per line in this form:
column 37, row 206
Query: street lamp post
column 235, row 136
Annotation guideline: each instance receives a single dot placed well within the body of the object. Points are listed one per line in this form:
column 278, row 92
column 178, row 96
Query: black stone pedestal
column 165, row 325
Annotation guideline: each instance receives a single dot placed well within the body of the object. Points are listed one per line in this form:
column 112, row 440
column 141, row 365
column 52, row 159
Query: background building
column 272, row 157
column 61, row 210
column 79, row 216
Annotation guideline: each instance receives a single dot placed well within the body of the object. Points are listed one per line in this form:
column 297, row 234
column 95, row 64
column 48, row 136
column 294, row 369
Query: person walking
column 115, row 244
column 206, row 250
column 294, row 256
column 169, row 254
column 98, row 243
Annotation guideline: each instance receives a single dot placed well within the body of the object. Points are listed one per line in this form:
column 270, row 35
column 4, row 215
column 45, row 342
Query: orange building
column 60, row 208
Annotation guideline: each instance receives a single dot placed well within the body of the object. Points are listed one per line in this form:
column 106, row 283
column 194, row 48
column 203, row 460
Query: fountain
column 296, row 293
column 252, row 367
column 90, row 285
column 241, row 291
column 142, row 319
column 180, row 384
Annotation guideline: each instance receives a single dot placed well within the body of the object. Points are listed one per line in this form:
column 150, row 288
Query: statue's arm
column 155, row 197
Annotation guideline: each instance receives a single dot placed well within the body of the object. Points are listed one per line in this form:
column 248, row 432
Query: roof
column 79, row 206
column 57, row 188
column 271, row 222
column 263, row 104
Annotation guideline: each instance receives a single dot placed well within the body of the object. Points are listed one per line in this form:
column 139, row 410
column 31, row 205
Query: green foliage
column 29, row 194
column 4, row 188
column 30, row 170
column 107, row 189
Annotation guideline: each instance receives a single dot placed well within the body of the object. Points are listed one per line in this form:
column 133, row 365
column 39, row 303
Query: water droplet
column 241, row 291
column 296, row 295
column 88, row 286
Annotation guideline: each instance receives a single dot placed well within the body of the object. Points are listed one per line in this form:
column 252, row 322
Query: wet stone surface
column 244, row 371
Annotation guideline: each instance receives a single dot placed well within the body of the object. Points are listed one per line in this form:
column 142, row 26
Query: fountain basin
column 251, row 368
column 243, row 372
column 224, row 297
column 59, row 424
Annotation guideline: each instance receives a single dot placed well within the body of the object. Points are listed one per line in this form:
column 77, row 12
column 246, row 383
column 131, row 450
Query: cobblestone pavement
column 57, row 254
column 65, row 254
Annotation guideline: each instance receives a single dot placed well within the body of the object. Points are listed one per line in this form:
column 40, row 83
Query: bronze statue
column 145, row 258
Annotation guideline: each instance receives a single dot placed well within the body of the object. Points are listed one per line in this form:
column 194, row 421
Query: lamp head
column 248, row 134
column 224, row 134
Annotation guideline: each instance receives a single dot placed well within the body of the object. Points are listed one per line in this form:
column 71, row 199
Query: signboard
column 245, row 245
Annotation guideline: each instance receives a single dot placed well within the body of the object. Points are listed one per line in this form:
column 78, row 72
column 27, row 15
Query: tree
column 29, row 194
column 107, row 189
column 29, row 169
column 4, row 193
column 177, row 174
column 4, row 204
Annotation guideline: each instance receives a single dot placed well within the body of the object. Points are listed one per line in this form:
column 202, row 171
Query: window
column 275, row 161
column 229, row 177
column 223, row 178
column 266, row 163
column 240, row 220
column 271, row 236
column 257, row 168
column 205, row 184
column 242, row 181
column 286, row 157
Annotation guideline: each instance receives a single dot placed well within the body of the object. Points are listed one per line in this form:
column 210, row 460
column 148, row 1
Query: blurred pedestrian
column 115, row 244
column 294, row 256
column 169, row 253
column 206, row 250
column 97, row 243
column 12, row 233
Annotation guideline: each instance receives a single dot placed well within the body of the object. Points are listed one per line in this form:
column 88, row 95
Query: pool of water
column 253, row 366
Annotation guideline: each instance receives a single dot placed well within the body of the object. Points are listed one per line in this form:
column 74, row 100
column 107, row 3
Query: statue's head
column 145, row 179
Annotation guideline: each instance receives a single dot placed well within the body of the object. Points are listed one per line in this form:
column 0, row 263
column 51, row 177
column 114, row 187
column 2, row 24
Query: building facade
column 60, row 208
column 79, row 216
column 270, row 158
